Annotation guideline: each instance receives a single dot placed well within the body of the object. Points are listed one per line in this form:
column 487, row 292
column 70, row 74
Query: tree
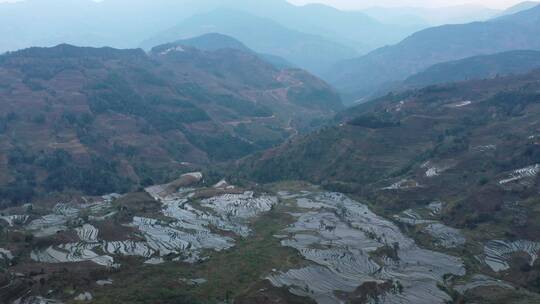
column 399, row 287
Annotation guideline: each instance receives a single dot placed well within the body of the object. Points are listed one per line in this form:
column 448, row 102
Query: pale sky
column 359, row 4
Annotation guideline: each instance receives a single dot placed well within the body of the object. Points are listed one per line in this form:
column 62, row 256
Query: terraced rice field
column 443, row 235
column 335, row 249
column 5, row 254
column 36, row 300
column 521, row 174
column 341, row 238
column 497, row 254
column 403, row 185
column 187, row 233
column 13, row 220
column 481, row 281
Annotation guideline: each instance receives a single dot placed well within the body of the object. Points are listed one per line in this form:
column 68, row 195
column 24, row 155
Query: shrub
column 97, row 178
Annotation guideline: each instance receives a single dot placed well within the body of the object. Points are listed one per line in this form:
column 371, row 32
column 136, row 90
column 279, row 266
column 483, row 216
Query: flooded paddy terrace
column 349, row 252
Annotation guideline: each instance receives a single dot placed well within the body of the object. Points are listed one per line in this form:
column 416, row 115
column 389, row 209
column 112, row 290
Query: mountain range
column 71, row 114
column 126, row 24
column 428, row 17
column 262, row 35
column 291, row 32
column 360, row 77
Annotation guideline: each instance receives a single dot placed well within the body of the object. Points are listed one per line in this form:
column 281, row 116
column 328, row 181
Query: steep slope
column 103, row 120
column 262, row 35
column 477, row 67
column 360, row 77
column 378, row 139
column 354, row 29
column 473, row 147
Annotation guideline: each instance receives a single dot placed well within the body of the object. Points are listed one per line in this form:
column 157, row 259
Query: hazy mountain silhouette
column 311, row 52
column 477, row 67
column 361, row 76
column 216, row 41
column 124, row 24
